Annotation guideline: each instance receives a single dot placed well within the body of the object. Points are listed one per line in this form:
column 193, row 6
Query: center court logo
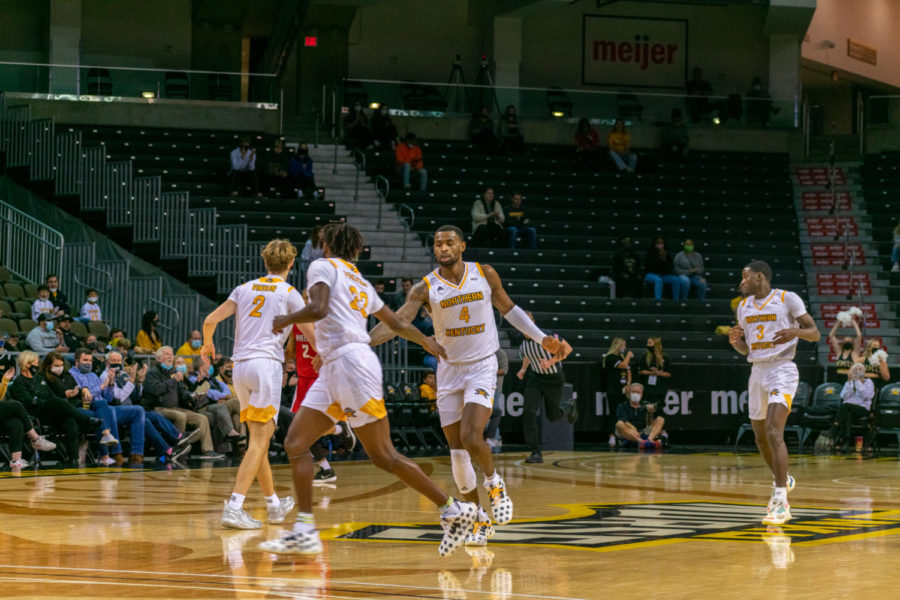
column 602, row 527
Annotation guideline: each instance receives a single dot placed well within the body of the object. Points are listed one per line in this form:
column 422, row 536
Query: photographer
column 856, row 396
column 637, row 424
column 243, row 169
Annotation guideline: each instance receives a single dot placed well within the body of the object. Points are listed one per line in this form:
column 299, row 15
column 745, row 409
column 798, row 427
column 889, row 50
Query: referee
column 545, row 381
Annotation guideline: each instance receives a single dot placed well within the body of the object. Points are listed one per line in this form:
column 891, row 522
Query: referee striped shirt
column 535, row 353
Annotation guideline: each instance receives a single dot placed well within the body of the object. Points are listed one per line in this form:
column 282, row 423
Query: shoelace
column 496, row 492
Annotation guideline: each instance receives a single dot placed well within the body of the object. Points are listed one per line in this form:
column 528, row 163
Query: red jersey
column 305, row 355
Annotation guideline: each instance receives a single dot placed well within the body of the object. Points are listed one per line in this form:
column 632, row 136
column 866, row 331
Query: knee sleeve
column 463, row 473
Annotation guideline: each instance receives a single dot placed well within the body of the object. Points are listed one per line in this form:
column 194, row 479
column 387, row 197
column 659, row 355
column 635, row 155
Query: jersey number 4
column 464, row 314
column 360, row 301
column 257, row 306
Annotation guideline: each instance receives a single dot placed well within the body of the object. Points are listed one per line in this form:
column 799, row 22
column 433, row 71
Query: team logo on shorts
column 349, row 412
column 774, row 392
column 482, row 392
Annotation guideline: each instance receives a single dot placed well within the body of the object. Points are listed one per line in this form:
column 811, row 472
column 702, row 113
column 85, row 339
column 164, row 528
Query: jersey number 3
column 360, row 301
column 257, row 306
column 760, row 332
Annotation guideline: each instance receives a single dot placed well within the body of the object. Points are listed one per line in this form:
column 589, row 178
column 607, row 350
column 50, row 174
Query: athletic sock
column 338, row 429
column 304, row 523
column 447, row 505
column 236, row 501
column 324, row 464
column 493, row 479
column 482, row 515
column 272, row 500
column 781, row 493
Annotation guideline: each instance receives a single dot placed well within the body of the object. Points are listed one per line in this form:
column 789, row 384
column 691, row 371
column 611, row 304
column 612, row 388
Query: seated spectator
column 213, row 398
column 43, row 339
column 384, row 132
column 42, row 305
column 759, row 103
column 587, row 144
column 638, row 425
column 627, row 271
column 60, row 303
column 517, row 223
column 69, row 339
column 698, row 89
column 659, row 269
column 895, row 251
column 243, row 169
column 115, row 335
column 388, row 299
column 856, row 402
column 481, row 130
column 301, row 173
column 14, row 343
column 654, row 371
column 428, row 390
column 408, row 159
column 675, row 137
column 619, row 143
column 875, row 361
column 848, row 351
column 276, row 171
column 148, row 340
column 15, row 422
column 688, row 266
column 312, row 250
column 356, row 129
column 191, row 347
column 487, row 222
column 405, row 286
column 423, row 323
column 164, row 392
column 90, row 310
column 31, row 390
column 511, row 138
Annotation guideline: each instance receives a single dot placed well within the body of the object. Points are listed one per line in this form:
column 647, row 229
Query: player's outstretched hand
column 551, row 343
column 279, row 323
column 784, row 336
column 735, row 334
column 316, row 363
column 435, row 349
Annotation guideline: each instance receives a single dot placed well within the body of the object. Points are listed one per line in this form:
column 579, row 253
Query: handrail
column 171, row 308
column 93, row 268
column 382, row 196
column 18, row 237
column 860, row 122
column 140, row 69
column 360, row 166
column 407, row 225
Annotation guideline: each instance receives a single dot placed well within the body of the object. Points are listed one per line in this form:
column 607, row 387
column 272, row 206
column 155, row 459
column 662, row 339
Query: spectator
column 517, row 223
column 848, row 351
column 511, row 138
column 302, row 175
column 619, row 143
column 243, row 169
column 428, row 390
column 405, row 286
column 148, row 340
column 637, row 424
column 356, row 129
column 759, row 104
column 408, row 158
column 699, row 107
column 388, row 299
column 213, row 400
column 689, row 267
column 42, row 305
column 69, row 339
column 659, row 269
column 191, row 347
column 90, row 310
column 875, row 361
column 487, row 222
column 59, row 300
column 492, row 430
column 617, row 365
column 277, row 170
column 384, row 132
column 43, row 339
column 481, row 130
column 895, row 251
column 675, row 137
column 587, row 144
column 627, row 272
column 423, row 323
column 312, row 250
column 16, row 423
column 856, row 402
column 14, row 343
column 654, row 371
column 31, row 390
column 164, row 392
column 6, row 375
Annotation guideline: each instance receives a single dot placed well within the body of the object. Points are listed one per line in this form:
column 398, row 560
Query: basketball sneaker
column 43, row 444
column 325, row 476
column 791, row 484
column 456, row 521
column 307, row 542
column 501, row 503
column 482, row 531
column 779, row 514
column 278, row 512
column 347, row 437
column 238, row 518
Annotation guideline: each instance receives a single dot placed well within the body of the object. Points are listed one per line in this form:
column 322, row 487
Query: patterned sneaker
column 482, row 531
column 43, row 444
column 294, row 543
column 347, row 437
column 238, row 518
column 780, row 513
column 501, row 504
column 457, row 522
column 278, row 513
column 791, row 484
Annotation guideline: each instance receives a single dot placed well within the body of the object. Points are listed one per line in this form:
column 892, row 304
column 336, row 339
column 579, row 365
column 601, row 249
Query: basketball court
column 587, row 525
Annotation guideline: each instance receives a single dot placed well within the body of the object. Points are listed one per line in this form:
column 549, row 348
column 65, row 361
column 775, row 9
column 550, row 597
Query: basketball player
column 461, row 297
column 769, row 323
column 349, row 388
column 258, row 356
column 307, row 372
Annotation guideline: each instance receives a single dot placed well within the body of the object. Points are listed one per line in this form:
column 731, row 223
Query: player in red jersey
column 307, row 372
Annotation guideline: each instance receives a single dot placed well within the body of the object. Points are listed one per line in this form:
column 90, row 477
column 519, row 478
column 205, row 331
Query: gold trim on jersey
column 766, row 302
column 349, row 265
column 427, row 283
column 332, row 263
column 257, row 414
column 335, row 411
column 478, row 265
column 462, row 281
column 270, row 279
column 375, row 407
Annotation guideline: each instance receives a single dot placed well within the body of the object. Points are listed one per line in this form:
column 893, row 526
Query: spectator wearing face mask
column 90, row 310
column 846, row 351
column 148, row 340
column 191, row 347
column 408, row 160
column 43, row 339
column 874, row 358
column 689, row 268
column 243, row 173
column 43, row 305
column 69, row 339
column 384, row 132
column 301, row 173
column 59, row 300
column 637, row 423
column 856, row 402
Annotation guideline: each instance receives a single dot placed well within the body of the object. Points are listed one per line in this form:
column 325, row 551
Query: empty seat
column 98, row 328
column 78, row 329
column 8, row 326
column 177, row 85
column 13, row 291
column 26, row 325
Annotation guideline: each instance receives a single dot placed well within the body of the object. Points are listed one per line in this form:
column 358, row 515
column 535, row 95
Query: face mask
column 49, row 325
column 650, row 346
column 181, row 369
column 635, row 397
column 688, row 248
column 33, row 370
column 93, row 299
column 165, row 367
column 53, row 290
column 57, row 371
column 196, row 344
column 84, row 367
column 93, row 346
column 210, row 371
column 228, row 373
column 848, row 345
column 115, row 366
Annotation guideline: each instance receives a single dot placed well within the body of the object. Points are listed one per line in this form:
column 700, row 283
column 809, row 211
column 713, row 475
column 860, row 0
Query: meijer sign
column 632, row 52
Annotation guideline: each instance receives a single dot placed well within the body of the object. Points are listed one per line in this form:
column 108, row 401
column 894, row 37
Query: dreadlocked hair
column 343, row 240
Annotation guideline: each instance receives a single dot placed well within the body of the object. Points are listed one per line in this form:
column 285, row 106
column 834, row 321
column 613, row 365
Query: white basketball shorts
column 462, row 383
column 771, row 383
column 257, row 384
column 349, row 387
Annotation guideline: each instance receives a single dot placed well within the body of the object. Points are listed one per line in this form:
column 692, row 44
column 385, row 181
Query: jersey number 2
column 257, row 306
column 360, row 301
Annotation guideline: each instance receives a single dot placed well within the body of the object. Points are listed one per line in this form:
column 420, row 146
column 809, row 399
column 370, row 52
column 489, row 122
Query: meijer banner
column 624, row 51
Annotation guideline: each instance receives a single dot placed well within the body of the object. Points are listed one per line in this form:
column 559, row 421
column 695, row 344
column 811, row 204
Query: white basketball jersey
column 760, row 320
column 352, row 299
column 258, row 303
column 463, row 315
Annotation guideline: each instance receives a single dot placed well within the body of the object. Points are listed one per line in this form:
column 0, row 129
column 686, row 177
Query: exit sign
column 310, row 41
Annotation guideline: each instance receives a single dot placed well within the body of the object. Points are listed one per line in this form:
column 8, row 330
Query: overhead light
column 148, row 94
column 374, row 105
column 558, row 113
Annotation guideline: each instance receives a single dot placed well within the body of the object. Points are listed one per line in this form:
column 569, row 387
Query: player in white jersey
column 258, row 357
column 461, row 298
column 769, row 323
column 349, row 388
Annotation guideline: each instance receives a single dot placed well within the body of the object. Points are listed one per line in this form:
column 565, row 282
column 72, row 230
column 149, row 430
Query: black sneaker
column 535, row 457
column 325, row 476
column 347, row 437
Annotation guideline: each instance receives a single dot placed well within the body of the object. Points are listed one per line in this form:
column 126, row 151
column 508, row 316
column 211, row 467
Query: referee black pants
column 538, row 388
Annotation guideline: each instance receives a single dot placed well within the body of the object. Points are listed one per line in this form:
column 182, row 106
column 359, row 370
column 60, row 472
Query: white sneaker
column 18, row 464
column 779, row 515
column 238, row 518
column 278, row 513
column 107, row 461
column 482, row 531
column 791, row 484
column 294, row 543
column 108, row 440
column 43, row 444
column 501, row 503
column 457, row 522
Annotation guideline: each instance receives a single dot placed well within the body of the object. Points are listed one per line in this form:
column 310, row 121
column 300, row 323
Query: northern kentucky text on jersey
column 758, row 318
column 462, row 299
